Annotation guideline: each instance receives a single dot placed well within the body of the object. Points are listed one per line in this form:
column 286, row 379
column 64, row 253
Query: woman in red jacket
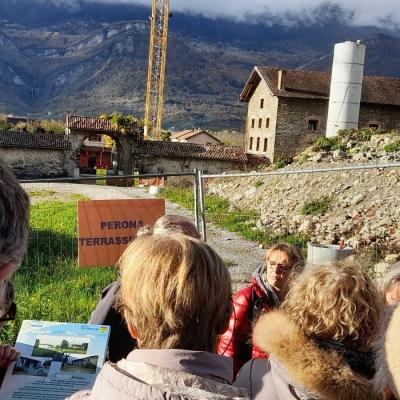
column 267, row 289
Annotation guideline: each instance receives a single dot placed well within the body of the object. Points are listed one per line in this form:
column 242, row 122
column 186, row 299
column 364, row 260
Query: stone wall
column 158, row 165
column 256, row 113
column 35, row 163
column 292, row 133
column 386, row 117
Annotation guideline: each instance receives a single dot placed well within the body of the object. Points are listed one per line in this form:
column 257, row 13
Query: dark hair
column 14, row 217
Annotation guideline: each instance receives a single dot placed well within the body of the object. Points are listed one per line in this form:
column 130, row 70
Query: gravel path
column 241, row 256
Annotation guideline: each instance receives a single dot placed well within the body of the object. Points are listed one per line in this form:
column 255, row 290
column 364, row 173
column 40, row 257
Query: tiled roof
column 81, row 123
column 190, row 150
column 316, row 85
column 89, row 124
column 35, row 140
column 178, row 135
column 187, row 134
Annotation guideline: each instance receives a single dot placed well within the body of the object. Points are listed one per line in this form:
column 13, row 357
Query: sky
column 364, row 12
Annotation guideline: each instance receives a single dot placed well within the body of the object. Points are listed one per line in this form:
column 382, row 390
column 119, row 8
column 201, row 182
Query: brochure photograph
column 57, row 359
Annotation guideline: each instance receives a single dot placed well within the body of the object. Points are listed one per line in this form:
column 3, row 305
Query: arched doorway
column 81, row 128
column 98, row 152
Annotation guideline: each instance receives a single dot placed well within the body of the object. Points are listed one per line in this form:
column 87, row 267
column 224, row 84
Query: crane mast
column 156, row 69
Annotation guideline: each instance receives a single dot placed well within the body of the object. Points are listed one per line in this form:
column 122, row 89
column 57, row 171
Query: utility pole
column 156, row 69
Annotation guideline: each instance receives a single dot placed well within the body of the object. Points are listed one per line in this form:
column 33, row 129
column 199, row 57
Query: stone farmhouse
column 35, row 155
column 40, row 155
column 197, row 136
column 162, row 157
column 287, row 109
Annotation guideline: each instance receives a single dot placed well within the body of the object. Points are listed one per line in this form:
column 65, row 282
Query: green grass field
column 49, row 285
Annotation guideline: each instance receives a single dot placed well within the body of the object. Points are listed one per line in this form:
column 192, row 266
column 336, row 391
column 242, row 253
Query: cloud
column 384, row 13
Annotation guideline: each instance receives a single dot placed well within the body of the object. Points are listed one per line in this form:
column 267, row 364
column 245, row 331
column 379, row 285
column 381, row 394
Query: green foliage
column 43, row 126
column 124, row 123
column 282, row 162
column 328, row 144
column 359, row 135
column 49, row 285
column 258, row 183
column 41, row 193
column 165, row 136
column 317, row 207
column 303, row 158
column 392, row 147
column 242, row 222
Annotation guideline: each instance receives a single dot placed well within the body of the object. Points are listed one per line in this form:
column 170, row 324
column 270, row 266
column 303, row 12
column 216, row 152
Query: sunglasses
column 279, row 268
column 10, row 313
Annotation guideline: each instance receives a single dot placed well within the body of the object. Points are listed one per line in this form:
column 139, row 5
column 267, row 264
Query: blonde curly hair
column 336, row 302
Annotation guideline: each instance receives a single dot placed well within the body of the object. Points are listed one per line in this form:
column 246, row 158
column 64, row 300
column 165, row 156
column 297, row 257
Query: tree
column 37, row 343
column 165, row 136
column 109, row 142
column 64, row 344
column 122, row 123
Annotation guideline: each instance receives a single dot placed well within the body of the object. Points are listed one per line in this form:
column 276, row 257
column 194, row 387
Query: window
column 374, row 126
column 262, row 103
column 251, row 143
column 253, row 121
column 312, row 125
column 258, row 144
column 265, row 145
column 260, row 123
column 95, row 138
column 267, row 123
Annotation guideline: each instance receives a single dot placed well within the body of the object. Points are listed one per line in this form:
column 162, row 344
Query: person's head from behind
column 282, row 260
column 168, row 224
column 335, row 302
column 14, row 220
column 175, row 293
column 390, row 285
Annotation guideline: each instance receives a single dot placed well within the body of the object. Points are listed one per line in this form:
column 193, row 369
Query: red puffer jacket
column 248, row 304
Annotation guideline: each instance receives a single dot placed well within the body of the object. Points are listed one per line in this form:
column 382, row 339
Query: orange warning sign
column 106, row 227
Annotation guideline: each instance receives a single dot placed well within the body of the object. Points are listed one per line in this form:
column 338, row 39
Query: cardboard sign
column 106, row 227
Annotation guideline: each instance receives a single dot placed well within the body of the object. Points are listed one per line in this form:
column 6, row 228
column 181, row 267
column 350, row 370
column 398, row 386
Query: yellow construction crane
column 156, row 70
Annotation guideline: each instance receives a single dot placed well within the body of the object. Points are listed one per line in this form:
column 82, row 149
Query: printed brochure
column 57, row 360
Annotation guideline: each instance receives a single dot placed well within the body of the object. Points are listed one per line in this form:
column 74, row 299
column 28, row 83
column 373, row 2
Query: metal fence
column 355, row 205
column 358, row 204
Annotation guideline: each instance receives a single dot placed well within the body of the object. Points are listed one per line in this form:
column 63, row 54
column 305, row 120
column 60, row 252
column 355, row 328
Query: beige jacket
column 297, row 368
column 165, row 374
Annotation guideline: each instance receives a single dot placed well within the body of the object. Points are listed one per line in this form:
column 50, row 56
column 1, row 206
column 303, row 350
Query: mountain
column 90, row 58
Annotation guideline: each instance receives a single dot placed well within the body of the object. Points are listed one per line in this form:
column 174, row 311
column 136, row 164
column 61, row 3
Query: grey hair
column 170, row 224
column 390, row 278
column 14, row 217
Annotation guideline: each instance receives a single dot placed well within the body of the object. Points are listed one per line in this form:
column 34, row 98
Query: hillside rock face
column 361, row 207
column 90, row 58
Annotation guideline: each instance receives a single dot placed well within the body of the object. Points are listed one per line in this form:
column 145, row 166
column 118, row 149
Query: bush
column 328, row 144
column 282, row 162
column 316, row 207
column 257, row 184
column 303, row 159
column 392, row 147
column 359, row 135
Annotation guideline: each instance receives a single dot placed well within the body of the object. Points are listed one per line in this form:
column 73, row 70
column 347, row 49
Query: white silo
column 346, row 86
